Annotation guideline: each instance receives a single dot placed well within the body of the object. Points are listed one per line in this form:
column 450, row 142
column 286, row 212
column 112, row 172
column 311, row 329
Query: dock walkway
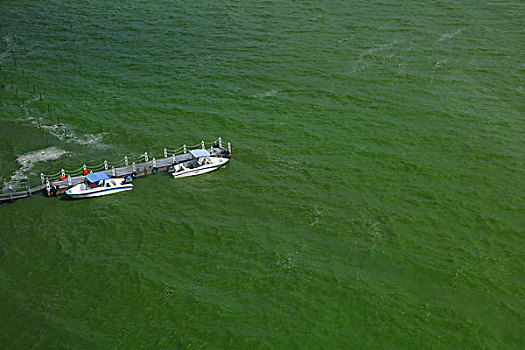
column 59, row 183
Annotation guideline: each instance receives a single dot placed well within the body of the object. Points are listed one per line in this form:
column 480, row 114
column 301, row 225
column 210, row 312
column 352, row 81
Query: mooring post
column 126, row 160
column 42, row 178
column 146, row 156
column 202, row 145
column 113, row 171
column 184, row 149
column 165, row 153
column 220, row 142
column 69, row 180
column 105, row 165
column 229, row 148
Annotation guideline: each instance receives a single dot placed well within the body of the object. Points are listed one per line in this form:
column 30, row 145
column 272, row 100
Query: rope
column 73, row 171
column 194, row 146
column 175, row 150
column 94, row 166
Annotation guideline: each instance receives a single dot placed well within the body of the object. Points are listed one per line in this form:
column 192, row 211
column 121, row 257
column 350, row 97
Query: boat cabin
column 200, row 157
column 99, row 179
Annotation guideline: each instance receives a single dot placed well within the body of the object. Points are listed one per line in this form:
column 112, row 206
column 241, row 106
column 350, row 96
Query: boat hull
column 99, row 193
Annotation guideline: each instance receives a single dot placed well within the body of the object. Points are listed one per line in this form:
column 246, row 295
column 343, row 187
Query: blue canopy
column 96, row 177
column 197, row 153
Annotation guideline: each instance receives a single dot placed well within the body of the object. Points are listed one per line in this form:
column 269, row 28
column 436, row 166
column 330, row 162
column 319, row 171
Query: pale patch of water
column 28, row 160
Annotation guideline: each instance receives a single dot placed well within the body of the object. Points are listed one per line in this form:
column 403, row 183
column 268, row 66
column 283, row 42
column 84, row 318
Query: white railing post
column 146, row 156
column 184, row 149
column 202, row 145
column 154, row 161
column 165, row 153
column 126, row 160
column 69, row 180
column 48, row 186
column 113, row 171
column 42, row 178
column 229, row 148
column 220, row 142
column 174, row 158
column 134, row 166
column 105, row 165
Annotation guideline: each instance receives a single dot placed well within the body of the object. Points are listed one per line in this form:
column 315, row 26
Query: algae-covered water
column 375, row 198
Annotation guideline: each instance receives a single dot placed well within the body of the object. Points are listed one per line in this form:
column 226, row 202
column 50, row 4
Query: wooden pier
column 57, row 184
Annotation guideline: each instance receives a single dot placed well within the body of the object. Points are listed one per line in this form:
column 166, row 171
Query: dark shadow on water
column 67, row 198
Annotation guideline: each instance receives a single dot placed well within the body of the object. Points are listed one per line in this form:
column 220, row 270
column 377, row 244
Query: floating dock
column 57, row 184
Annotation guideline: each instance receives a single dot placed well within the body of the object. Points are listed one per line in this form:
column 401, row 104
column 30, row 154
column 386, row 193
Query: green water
column 375, row 198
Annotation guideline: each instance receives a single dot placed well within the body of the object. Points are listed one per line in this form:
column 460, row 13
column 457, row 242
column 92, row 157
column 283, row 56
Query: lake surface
column 375, row 198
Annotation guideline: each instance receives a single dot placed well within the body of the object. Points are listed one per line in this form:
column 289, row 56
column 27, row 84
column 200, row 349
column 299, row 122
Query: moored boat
column 201, row 162
column 97, row 185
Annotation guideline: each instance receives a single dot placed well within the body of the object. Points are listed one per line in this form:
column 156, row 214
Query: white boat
column 98, row 184
column 202, row 162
